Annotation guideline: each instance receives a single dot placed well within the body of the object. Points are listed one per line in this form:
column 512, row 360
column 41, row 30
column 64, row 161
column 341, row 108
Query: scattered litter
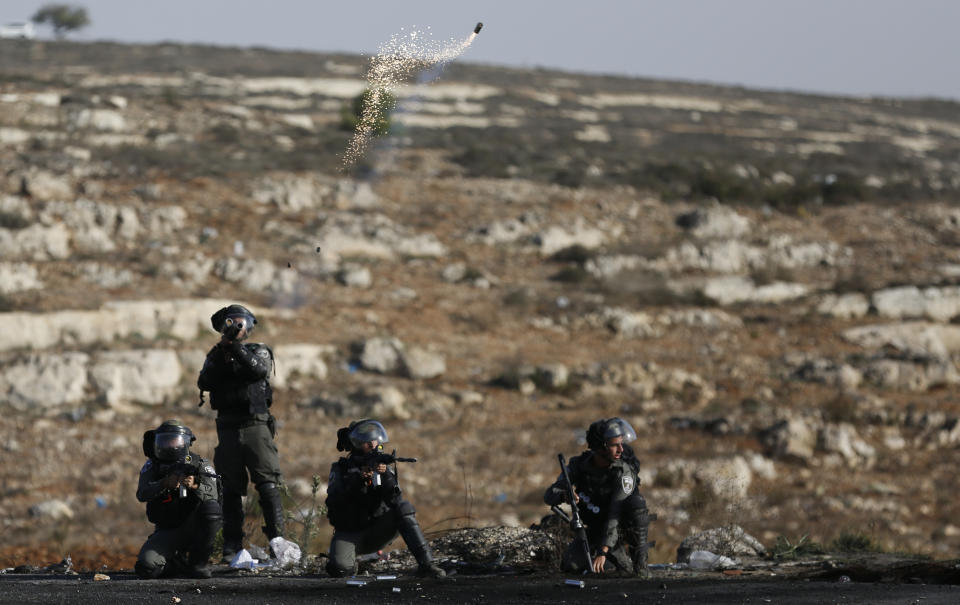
column 396, row 589
column 288, row 553
column 175, row 599
column 243, row 560
column 238, row 248
column 575, row 583
column 257, row 552
column 732, row 572
column 387, row 577
column 356, row 582
column 99, row 577
column 843, row 579
column 704, row 559
column 101, row 501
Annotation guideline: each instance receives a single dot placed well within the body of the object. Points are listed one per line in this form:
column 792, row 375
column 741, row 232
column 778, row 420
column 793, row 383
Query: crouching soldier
column 365, row 504
column 607, row 497
column 183, row 502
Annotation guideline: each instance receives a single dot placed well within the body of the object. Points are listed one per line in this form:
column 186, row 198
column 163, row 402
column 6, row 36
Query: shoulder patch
column 264, row 353
column 146, row 466
column 627, row 483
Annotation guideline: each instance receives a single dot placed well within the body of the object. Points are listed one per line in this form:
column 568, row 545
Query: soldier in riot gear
column 183, row 501
column 608, row 499
column 237, row 376
column 365, row 504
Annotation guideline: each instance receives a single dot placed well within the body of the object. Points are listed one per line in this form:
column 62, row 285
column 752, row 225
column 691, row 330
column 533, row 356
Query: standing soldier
column 237, row 376
column 365, row 504
column 608, row 499
column 183, row 502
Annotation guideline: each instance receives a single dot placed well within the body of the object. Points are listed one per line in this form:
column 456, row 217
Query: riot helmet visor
column 367, row 430
column 170, row 446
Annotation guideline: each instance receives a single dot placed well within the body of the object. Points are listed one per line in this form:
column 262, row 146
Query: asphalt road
column 124, row 587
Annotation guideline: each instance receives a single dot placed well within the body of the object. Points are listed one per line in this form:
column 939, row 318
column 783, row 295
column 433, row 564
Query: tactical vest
column 235, row 395
column 352, row 510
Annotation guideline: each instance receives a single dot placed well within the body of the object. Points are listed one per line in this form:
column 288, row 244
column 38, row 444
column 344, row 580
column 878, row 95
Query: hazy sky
column 858, row 47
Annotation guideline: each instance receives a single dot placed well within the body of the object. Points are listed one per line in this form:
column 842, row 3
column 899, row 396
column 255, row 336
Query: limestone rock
column 149, row 377
column 45, row 381
column 380, row 354
column 729, row 541
column 18, row 277
column 299, row 361
column 35, row 243
column 791, row 439
column 725, row 478
column 912, row 339
column 842, row 439
column 419, row 363
column 714, row 222
column 55, row 510
column 844, row 306
column 910, row 302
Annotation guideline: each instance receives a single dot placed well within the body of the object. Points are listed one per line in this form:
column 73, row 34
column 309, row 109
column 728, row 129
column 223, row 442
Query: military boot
column 417, row 543
column 271, row 503
column 636, row 537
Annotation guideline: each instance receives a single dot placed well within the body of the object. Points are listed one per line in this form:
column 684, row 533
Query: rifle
column 574, row 519
column 375, row 458
column 185, row 467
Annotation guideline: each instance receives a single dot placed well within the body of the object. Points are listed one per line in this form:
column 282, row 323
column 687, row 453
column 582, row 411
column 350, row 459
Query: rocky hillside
column 764, row 284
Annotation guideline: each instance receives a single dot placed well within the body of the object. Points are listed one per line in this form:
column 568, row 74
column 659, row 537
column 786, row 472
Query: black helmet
column 171, row 441
column 603, row 430
column 228, row 316
column 359, row 432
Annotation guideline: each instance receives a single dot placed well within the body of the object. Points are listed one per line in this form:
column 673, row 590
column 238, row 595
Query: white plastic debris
column 258, row 553
column 243, row 560
column 287, row 552
column 704, row 559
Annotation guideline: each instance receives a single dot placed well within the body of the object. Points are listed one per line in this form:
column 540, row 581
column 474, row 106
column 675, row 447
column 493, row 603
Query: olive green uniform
column 184, row 525
column 237, row 378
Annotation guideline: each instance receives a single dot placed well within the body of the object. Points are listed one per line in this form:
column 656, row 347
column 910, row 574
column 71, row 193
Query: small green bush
column 351, row 117
column 854, row 542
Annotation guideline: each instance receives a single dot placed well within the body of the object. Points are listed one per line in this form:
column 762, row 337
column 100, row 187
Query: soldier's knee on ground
column 339, row 570
column 149, row 570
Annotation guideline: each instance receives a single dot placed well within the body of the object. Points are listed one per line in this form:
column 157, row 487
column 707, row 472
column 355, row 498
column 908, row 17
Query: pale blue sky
column 857, row 47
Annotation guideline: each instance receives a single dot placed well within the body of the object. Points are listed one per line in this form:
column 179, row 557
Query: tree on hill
column 371, row 108
column 63, row 18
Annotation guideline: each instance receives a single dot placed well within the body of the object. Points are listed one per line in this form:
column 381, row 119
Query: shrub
column 352, row 117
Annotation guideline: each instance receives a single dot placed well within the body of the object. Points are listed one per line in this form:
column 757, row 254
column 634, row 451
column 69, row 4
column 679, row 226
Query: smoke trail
column 396, row 59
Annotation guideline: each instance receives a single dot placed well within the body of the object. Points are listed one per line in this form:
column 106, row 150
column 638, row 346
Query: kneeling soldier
column 608, row 500
column 183, row 502
column 365, row 504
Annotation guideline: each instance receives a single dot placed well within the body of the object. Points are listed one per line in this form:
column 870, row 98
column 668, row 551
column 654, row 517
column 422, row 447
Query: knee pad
column 266, row 487
column 404, row 508
column 210, row 510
